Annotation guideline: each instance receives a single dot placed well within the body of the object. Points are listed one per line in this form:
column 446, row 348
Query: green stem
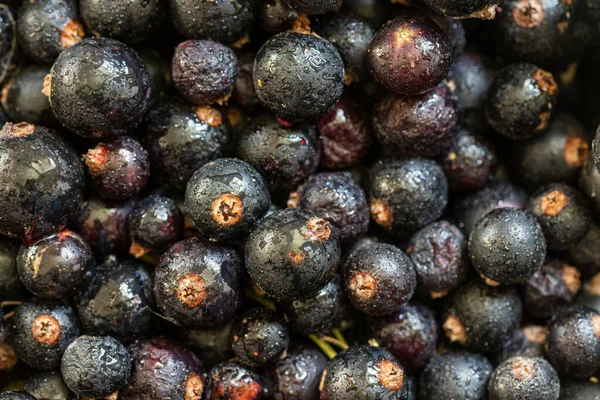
column 259, row 299
column 324, row 346
column 339, row 343
column 338, row 335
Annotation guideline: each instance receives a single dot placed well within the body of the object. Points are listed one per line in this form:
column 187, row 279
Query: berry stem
column 338, row 335
column 339, row 343
column 9, row 303
column 259, row 299
column 324, row 346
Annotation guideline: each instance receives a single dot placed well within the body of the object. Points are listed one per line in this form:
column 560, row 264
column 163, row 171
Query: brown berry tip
column 191, row 289
column 296, row 257
column 113, row 396
column 8, row 357
column 535, row 333
column 301, row 24
column 570, row 276
column 575, row 151
column 317, row 230
column 487, row 13
column 390, row 375
column 47, row 85
column 223, row 100
column 137, row 250
column 593, row 285
column 554, row 202
column 234, row 116
column 363, row 285
column 544, row 119
column 45, row 329
column 72, row 33
column 545, row 81
column 293, row 200
column 209, row 115
column 194, row 387
column 528, row 13
column 22, row 129
column 241, row 42
column 381, row 214
column 96, row 158
column 595, row 321
column 489, row 281
column 438, row 295
column 523, row 368
column 455, row 330
column 227, row 209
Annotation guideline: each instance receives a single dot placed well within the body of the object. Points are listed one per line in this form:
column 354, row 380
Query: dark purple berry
column 232, row 381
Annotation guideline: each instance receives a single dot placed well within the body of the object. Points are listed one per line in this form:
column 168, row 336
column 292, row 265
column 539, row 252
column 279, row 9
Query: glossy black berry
column 163, row 370
column 95, row 366
column 528, row 341
column 198, row 285
column 470, row 163
column 468, row 210
column 563, row 213
column 345, row 133
column 524, row 378
column 379, row 279
column 439, row 255
column 225, row 198
column 555, row 285
column 471, row 77
column 481, row 317
column 319, row 314
column 284, row 83
column 410, row 334
column 535, row 31
column 520, row 101
column 118, row 169
column 47, row 27
column 456, row 375
column 337, row 199
column 351, row 36
column 224, row 21
column 212, row 346
column 295, row 376
column 292, row 254
column 405, row 195
column 371, row 371
column 36, row 204
column 232, row 381
column 99, row 88
column 48, row 385
column 103, row 225
column 259, row 337
column 409, row 55
column 204, row 72
column 417, row 126
column 8, row 49
column 117, row 301
column 10, row 283
column 40, row 331
column 276, row 15
column 180, row 139
column 22, row 98
column 573, row 342
column 154, row 224
column 314, row 6
column 284, row 156
column 16, row 395
column 555, row 156
column 507, row 246
column 130, row 22
column 58, row 265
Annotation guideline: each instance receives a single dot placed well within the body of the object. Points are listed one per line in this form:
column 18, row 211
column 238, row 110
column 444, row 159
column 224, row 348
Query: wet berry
column 416, row 125
column 507, row 246
column 96, row 366
column 225, row 198
column 345, row 133
column 37, row 204
column 118, row 169
column 16, row 395
column 410, row 334
column 313, row 6
column 520, row 101
column 232, row 381
column 204, row 72
column 154, row 224
column 337, row 199
column 405, row 195
column 259, row 337
column 409, row 55
column 58, row 265
column 292, row 254
column 524, row 377
column 198, row 285
column 276, row 15
column 117, row 301
column 289, row 89
column 99, row 88
column 47, row 27
column 528, row 341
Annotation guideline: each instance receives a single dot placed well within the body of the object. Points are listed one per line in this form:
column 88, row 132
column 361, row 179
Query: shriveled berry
column 232, row 381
